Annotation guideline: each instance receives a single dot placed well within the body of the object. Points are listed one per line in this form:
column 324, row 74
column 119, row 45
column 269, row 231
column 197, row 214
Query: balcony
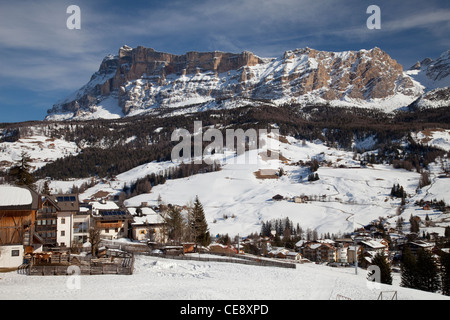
column 109, row 225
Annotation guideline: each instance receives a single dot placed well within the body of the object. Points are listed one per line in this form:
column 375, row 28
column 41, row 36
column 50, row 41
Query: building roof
column 103, row 205
column 18, row 198
column 65, row 202
column 374, row 244
column 113, row 215
column 422, row 244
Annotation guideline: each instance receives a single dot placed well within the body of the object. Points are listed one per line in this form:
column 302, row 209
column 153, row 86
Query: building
column 301, row 199
column 81, row 224
column 353, row 252
column 319, row 252
column 417, row 245
column 148, row 225
column 112, row 222
column 46, row 222
column 18, row 208
column 326, row 253
column 342, row 253
column 375, row 245
column 55, row 220
column 221, row 248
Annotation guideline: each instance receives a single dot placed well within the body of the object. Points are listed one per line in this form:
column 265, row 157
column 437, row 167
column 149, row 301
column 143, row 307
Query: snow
column 128, row 178
column 434, row 137
column 40, row 148
column 108, row 108
column 264, row 81
column 14, row 196
column 235, row 201
column 165, row 279
column 107, row 205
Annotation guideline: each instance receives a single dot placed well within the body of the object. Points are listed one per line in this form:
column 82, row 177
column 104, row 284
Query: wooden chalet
column 113, row 224
column 18, row 208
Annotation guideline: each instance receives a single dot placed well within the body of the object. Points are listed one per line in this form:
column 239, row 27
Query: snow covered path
column 165, row 279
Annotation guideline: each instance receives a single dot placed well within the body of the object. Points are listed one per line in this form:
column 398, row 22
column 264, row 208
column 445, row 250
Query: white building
column 147, row 225
column 67, row 207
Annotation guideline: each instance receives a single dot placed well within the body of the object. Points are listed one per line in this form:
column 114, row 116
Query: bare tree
column 94, row 239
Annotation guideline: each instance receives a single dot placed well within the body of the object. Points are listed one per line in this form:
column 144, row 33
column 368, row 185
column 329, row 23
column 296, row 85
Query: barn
column 18, row 207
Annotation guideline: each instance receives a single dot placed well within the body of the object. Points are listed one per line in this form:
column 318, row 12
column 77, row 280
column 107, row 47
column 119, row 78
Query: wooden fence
column 83, row 266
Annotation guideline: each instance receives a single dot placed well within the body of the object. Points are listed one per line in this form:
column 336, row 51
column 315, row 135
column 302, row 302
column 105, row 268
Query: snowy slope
column 432, row 73
column 40, row 148
column 161, row 279
column 438, row 138
column 236, row 201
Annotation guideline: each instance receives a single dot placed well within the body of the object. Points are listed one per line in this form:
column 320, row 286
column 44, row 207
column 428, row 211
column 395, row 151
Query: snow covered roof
column 422, row 244
column 148, row 219
column 374, row 244
column 149, row 216
column 107, row 205
column 15, row 196
column 300, row 243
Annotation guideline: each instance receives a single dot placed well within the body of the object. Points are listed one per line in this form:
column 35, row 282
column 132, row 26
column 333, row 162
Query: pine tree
column 385, row 269
column 200, row 226
column 408, row 269
column 175, row 224
column 447, row 232
column 414, row 227
column 46, row 189
column 428, row 273
column 21, row 171
column 445, row 274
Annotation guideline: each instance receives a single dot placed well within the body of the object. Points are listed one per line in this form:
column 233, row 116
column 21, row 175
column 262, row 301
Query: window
column 63, row 220
column 63, row 233
column 106, row 230
column 15, row 253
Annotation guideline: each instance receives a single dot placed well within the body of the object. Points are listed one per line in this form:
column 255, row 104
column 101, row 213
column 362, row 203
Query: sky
column 43, row 61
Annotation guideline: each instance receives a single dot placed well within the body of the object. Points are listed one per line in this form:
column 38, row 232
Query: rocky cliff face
column 141, row 79
column 434, row 75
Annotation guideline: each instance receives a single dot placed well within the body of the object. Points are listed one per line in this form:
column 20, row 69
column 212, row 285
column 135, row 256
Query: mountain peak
column 141, row 80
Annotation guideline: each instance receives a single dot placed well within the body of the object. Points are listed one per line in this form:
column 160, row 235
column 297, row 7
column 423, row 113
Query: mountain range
column 144, row 81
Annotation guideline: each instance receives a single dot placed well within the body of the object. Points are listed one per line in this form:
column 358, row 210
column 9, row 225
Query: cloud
column 432, row 20
column 42, row 51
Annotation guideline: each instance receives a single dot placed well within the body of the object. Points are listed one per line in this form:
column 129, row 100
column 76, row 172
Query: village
column 59, row 230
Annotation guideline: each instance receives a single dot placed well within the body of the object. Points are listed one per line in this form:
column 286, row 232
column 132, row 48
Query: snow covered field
column 237, row 202
column 41, row 149
column 165, row 279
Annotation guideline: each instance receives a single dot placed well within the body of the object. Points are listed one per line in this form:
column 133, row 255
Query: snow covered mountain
column 142, row 80
column 435, row 76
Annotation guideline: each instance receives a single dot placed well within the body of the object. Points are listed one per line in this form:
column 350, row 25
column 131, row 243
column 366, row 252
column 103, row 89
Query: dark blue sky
column 43, row 61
